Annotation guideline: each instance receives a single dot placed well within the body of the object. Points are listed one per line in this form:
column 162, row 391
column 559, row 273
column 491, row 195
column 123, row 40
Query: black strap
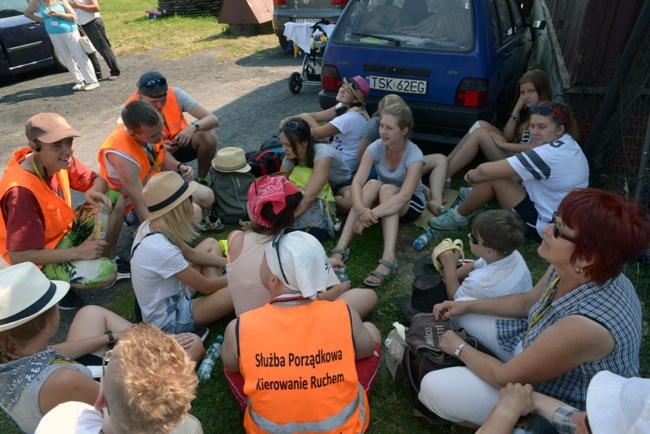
column 178, row 193
column 33, row 308
column 139, row 242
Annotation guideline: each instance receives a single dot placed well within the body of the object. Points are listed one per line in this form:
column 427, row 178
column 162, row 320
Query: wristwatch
column 459, row 348
column 196, row 126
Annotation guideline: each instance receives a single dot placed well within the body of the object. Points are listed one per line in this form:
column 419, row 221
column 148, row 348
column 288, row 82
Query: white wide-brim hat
column 618, row 405
column 25, row 293
column 165, row 191
column 231, row 159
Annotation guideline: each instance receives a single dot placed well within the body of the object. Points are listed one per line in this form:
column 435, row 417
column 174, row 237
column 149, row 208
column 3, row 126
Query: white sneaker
column 78, row 86
column 91, row 86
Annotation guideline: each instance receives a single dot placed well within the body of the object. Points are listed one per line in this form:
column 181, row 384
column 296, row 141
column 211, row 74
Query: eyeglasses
column 105, row 360
column 153, row 83
column 546, row 110
column 557, row 230
column 276, row 246
column 284, row 175
column 474, row 239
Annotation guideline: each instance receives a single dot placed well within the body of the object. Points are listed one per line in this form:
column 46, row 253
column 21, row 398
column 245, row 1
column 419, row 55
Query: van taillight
column 329, row 77
column 279, row 2
column 472, row 92
column 339, row 2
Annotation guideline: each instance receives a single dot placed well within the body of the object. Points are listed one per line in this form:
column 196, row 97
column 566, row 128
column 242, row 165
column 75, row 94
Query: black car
column 24, row 44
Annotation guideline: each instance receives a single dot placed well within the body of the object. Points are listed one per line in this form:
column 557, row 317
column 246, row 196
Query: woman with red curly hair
column 581, row 318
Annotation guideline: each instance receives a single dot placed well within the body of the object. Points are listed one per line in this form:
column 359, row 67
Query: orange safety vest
column 120, row 140
column 57, row 212
column 173, row 118
column 298, row 365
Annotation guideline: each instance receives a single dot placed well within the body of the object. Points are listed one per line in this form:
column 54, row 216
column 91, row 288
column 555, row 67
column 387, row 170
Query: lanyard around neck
column 57, row 191
column 545, row 300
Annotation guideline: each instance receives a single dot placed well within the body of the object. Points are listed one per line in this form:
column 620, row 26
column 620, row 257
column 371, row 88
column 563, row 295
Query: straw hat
column 25, row 293
column 358, row 86
column 165, row 191
column 231, row 159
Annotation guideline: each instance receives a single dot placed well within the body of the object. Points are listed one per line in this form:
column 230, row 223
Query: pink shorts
column 366, row 371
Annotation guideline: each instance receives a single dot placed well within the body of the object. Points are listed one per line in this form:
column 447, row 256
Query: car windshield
column 429, row 24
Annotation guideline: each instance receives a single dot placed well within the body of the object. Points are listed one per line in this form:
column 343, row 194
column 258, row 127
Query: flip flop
column 446, row 244
column 392, row 268
column 345, row 253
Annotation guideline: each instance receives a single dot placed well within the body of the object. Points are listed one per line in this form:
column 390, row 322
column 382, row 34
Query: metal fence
column 619, row 154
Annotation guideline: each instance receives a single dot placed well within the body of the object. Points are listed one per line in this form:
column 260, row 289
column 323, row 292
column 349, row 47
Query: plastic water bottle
column 101, row 221
column 342, row 275
column 205, row 370
column 424, row 239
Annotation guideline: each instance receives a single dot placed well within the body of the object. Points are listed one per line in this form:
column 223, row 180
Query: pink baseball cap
column 358, row 86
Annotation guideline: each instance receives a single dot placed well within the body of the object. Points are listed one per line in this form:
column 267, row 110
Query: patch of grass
column 175, row 37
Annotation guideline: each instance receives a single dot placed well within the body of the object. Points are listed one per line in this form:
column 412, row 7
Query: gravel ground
column 249, row 96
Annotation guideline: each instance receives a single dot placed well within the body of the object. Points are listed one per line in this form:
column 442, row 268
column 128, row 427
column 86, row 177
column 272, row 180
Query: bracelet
column 111, row 338
column 459, row 348
column 513, row 117
column 178, row 168
column 364, row 210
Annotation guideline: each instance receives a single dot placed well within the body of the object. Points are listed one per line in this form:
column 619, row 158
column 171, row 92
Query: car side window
column 12, row 8
column 516, row 14
column 495, row 25
column 506, row 26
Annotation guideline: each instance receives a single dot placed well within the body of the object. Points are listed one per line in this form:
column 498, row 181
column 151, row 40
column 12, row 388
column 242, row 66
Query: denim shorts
column 179, row 312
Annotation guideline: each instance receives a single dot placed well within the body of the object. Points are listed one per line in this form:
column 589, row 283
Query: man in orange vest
column 185, row 141
column 306, row 364
column 134, row 152
column 38, row 224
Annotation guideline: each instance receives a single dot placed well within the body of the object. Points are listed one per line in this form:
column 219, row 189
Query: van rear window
column 428, row 24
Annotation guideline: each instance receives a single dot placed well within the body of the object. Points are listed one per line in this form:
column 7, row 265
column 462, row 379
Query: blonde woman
column 166, row 272
column 393, row 198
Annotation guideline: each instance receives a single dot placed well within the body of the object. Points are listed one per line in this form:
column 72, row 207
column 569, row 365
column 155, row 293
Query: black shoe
column 123, row 269
column 71, row 301
column 202, row 333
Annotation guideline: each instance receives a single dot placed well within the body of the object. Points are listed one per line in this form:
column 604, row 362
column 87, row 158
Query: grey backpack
column 230, row 195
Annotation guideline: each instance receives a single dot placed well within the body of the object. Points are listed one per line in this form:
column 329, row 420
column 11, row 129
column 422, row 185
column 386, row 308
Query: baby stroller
column 312, row 61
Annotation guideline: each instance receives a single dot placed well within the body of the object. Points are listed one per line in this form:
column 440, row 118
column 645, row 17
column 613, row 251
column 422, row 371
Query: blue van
column 453, row 61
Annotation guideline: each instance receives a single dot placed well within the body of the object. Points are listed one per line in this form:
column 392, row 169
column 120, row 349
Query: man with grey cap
column 186, row 141
column 306, row 364
column 38, row 224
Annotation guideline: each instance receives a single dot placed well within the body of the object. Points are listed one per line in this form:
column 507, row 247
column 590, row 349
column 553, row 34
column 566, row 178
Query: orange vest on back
column 120, row 140
column 298, row 365
column 57, row 212
column 173, row 118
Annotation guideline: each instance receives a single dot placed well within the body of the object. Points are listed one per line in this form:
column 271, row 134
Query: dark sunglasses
column 157, row 82
column 276, row 246
column 290, row 126
column 352, row 82
column 587, row 426
column 546, row 110
column 474, row 239
column 105, row 360
column 557, row 230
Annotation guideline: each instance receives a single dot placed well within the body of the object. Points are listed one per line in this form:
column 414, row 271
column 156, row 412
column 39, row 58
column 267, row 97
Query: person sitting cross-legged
column 321, row 350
